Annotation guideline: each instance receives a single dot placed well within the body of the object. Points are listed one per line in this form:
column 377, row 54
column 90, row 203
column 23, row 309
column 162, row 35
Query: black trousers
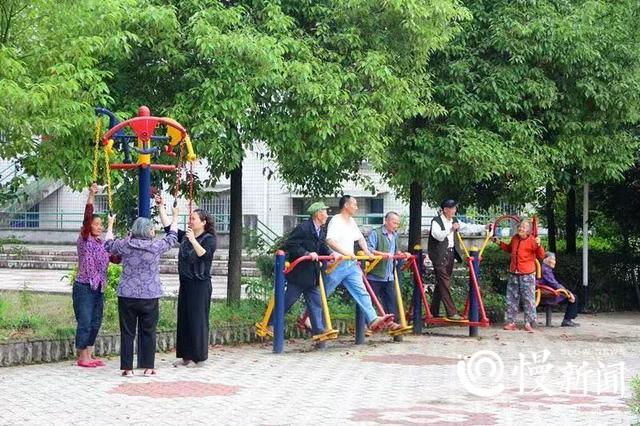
column 131, row 312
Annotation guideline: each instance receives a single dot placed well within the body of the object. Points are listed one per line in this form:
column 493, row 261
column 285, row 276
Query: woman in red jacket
column 524, row 249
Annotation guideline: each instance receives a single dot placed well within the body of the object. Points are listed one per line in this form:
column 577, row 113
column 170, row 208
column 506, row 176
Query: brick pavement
column 408, row 383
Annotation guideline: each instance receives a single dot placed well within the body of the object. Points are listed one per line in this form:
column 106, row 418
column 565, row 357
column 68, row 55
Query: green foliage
column 258, row 288
column 528, row 92
column 635, row 391
column 266, row 265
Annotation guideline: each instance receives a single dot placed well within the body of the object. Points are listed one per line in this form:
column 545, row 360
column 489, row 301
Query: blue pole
column 474, row 315
column 144, row 191
column 417, row 297
column 278, row 314
column 361, row 325
column 144, row 210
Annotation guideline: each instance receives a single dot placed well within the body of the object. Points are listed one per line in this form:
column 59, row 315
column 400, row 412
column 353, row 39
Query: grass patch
column 30, row 316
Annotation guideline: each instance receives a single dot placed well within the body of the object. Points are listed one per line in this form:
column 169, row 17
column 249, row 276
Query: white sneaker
column 192, row 364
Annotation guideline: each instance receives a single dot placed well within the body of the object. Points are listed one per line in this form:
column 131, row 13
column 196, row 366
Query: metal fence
column 73, row 220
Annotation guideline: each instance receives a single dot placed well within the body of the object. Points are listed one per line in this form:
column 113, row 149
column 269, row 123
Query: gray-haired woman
column 139, row 289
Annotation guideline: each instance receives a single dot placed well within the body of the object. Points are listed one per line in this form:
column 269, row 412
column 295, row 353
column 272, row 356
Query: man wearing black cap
column 442, row 253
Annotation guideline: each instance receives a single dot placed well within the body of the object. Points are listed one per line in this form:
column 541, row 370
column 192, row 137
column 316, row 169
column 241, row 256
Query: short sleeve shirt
column 344, row 232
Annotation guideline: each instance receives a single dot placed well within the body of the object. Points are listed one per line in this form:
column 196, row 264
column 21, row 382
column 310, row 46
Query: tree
column 317, row 82
column 53, row 74
column 532, row 91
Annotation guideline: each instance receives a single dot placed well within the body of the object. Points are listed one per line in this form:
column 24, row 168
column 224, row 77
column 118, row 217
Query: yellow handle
column 191, row 156
column 372, row 265
column 486, row 241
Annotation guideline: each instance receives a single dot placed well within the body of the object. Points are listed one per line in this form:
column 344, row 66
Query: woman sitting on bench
column 549, row 279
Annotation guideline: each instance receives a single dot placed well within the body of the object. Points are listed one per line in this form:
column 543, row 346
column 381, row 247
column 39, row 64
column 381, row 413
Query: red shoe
column 98, row 362
column 528, row 328
column 86, row 364
column 510, row 326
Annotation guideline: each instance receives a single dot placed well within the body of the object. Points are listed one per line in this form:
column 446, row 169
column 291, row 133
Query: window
column 100, row 203
column 376, row 211
column 219, row 206
column 28, row 219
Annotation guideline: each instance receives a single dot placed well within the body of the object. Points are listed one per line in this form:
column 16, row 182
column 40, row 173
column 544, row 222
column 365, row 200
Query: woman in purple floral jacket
column 139, row 290
column 91, row 280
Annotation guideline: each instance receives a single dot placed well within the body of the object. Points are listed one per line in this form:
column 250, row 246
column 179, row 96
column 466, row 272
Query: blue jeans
column 348, row 273
column 87, row 305
column 313, row 302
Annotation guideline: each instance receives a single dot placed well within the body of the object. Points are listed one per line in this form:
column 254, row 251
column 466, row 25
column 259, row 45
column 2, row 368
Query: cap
column 316, row 207
column 448, row 203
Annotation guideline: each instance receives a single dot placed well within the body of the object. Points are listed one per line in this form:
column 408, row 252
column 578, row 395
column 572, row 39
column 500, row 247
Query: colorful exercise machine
column 275, row 306
column 142, row 139
column 142, row 133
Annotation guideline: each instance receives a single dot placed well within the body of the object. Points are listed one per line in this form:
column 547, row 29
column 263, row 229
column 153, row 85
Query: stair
column 66, row 259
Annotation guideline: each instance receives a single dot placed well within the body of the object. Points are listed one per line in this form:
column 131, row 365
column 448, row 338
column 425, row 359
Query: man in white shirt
column 441, row 251
column 342, row 233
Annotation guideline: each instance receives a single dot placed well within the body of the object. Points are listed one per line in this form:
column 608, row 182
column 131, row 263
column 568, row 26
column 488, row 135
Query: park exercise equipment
column 143, row 129
column 142, row 139
column 262, row 327
column 474, row 313
column 275, row 306
column 369, row 266
column 542, row 291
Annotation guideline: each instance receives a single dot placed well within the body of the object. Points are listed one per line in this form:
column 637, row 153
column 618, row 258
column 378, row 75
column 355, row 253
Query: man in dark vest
column 442, row 252
column 307, row 239
column 383, row 241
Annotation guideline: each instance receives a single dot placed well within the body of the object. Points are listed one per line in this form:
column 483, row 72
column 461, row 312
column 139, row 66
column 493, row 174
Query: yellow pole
column 262, row 327
column 325, row 306
column 464, row 247
column 403, row 319
column 486, row 241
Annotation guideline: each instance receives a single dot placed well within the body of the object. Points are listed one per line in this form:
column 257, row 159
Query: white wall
column 269, row 199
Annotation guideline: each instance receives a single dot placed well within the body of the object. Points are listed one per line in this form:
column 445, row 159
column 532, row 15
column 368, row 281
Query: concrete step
column 73, row 258
column 165, row 267
column 63, row 250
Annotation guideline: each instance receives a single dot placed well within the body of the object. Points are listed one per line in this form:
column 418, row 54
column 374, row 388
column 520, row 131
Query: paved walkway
column 418, row 381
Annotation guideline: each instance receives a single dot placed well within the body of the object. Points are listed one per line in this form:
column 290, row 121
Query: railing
column 73, row 220
column 376, row 219
column 268, row 234
column 9, row 172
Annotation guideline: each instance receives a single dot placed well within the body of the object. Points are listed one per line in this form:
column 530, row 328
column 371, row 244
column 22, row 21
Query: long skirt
column 194, row 304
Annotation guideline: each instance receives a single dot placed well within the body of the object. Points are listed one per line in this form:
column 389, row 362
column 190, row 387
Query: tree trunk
column 235, row 237
column 570, row 222
column 551, row 215
column 415, row 215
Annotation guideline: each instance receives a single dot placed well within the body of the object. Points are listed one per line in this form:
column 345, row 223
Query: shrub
column 635, row 395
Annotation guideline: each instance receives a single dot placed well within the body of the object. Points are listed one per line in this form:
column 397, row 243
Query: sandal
column 127, row 373
column 150, row 372
column 85, row 363
column 394, row 326
column 98, row 362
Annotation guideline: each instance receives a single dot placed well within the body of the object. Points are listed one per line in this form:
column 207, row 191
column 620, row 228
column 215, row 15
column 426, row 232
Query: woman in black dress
column 197, row 245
